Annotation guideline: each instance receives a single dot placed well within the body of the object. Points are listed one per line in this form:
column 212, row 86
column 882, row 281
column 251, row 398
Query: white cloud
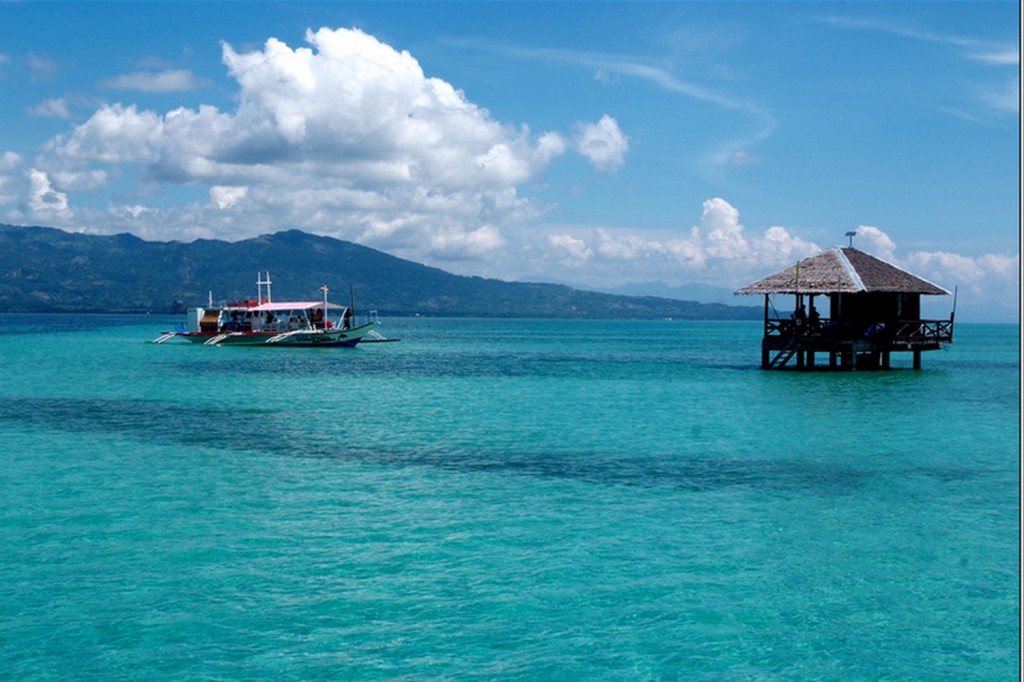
column 51, row 108
column 471, row 244
column 720, row 251
column 226, row 197
column 114, row 134
column 175, row 80
column 576, row 252
column 997, row 55
column 347, row 136
column 878, row 242
column 602, row 143
column 1005, row 98
column 9, row 161
column 44, row 201
column 986, row 272
column 989, row 284
column 68, row 181
column 724, row 237
column 717, row 250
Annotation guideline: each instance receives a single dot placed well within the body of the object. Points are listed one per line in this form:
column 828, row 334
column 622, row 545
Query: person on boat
column 346, row 319
column 318, row 318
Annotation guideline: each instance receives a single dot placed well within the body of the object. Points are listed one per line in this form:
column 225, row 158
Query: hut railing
column 910, row 331
column 899, row 331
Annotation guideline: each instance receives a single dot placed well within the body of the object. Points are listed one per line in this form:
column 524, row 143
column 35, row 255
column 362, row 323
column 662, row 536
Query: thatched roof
column 842, row 269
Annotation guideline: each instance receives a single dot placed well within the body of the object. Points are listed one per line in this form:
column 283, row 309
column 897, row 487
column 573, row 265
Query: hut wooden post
column 765, row 352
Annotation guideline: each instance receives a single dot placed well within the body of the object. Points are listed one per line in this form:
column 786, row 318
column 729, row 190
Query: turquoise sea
column 503, row 499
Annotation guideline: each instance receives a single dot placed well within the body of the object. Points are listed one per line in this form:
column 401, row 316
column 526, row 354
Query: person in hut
column 799, row 318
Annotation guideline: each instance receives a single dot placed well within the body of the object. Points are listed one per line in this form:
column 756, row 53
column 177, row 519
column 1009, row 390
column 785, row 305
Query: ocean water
column 499, row 499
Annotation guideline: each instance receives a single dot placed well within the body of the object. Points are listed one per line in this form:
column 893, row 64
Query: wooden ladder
column 783, row 356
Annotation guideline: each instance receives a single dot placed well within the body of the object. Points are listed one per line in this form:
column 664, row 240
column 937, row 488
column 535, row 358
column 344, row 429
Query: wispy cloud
column 51, row 108
column 610, row 68
column 175, row 80
column 606, row 66
column 973, row 48
column 986, row 52
column 42, row 68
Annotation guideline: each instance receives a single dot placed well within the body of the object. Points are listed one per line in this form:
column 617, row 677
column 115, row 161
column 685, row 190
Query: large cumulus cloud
column 345, row 136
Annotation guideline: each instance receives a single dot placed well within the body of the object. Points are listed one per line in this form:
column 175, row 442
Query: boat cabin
column 873, row 310
column 266, row 317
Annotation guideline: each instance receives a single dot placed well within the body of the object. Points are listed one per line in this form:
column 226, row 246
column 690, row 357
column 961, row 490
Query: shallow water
column 497, row 498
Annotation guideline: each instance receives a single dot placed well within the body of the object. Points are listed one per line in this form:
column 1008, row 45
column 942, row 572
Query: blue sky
column 596, row 144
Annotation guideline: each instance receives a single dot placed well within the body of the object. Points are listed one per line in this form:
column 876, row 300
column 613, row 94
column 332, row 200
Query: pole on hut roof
column 851, row 235
column 952, row 314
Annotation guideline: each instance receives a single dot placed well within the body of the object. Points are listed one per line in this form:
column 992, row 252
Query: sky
column 593, row 144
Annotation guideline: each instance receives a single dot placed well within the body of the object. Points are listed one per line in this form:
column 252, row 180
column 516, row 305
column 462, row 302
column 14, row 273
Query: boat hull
column 301, row 338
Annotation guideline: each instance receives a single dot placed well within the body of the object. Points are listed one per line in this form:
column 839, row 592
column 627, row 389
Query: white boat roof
column 288, row 305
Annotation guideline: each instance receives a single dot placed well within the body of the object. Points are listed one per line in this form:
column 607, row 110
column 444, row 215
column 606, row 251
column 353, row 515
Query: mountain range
column 44, row 269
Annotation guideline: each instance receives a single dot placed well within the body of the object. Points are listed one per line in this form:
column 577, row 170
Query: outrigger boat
column 263, row 322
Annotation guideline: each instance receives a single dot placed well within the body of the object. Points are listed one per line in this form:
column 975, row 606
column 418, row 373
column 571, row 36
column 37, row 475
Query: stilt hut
column 874, row 310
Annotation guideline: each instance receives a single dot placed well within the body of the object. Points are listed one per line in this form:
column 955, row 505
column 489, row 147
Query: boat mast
column 259, row 286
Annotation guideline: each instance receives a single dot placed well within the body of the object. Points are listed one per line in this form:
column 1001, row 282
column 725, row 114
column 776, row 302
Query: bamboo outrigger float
column 874, row 311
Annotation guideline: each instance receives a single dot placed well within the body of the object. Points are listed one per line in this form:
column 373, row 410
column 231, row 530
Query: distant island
column 43, row 269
